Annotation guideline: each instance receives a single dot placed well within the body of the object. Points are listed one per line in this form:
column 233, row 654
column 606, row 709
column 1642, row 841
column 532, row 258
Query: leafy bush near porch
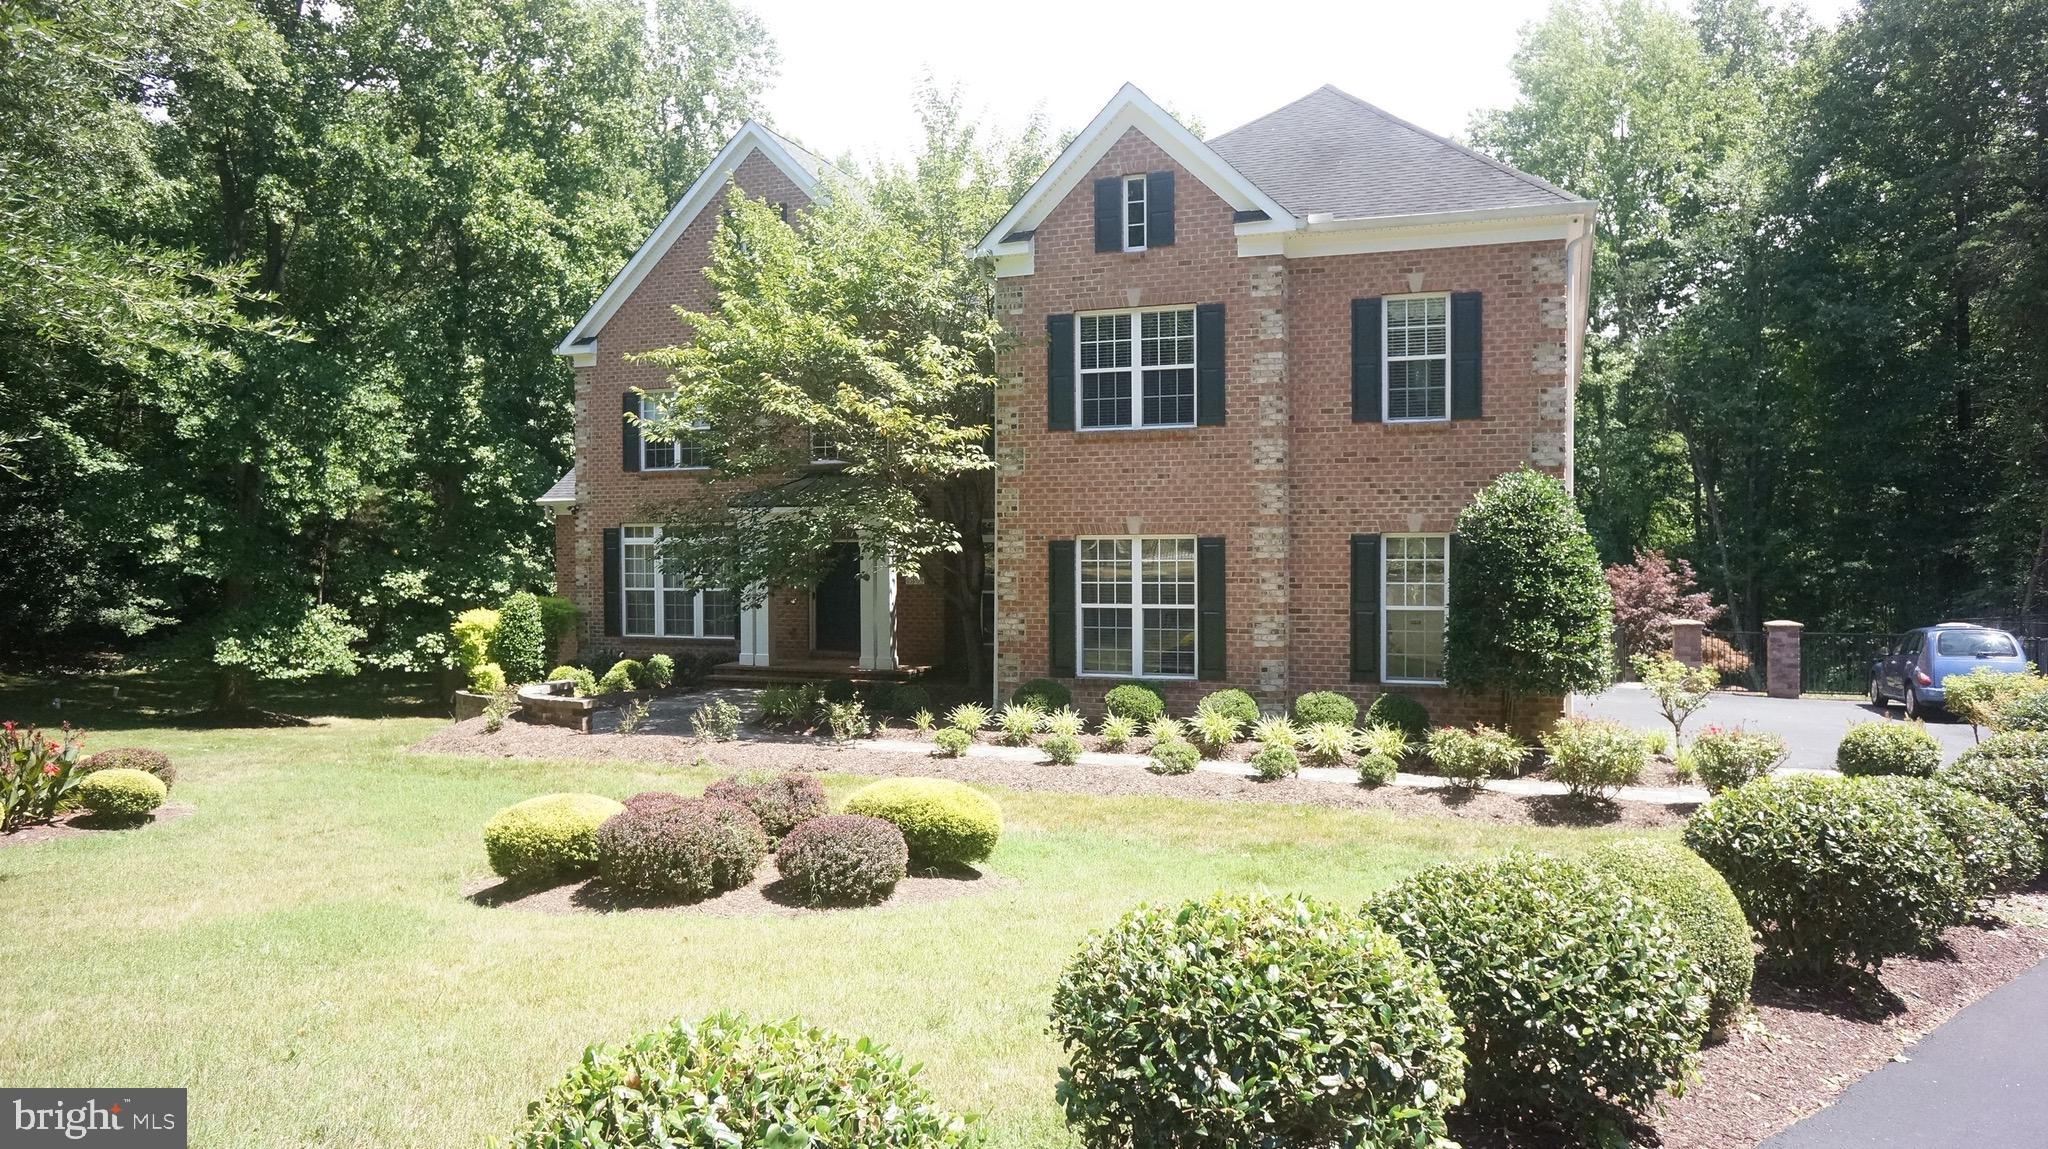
column 1702, row 908
column 623, row 676
column 148, row 761
column 1174, row 757
column 1117, row 732
column 728, row 1080
column 1251, row 1020
column 843, row 859
column 839, row 690
column 2011, row 770
column 1325, row 706
column 1141, row 702
column 121, row 794
column 1231, row 701
column 1380, row 750
column 900, row 699
column 520, row 642
column 848, row 720
column 951, row 742
column 1061, row 749
column 1402, row 713
column 716, row 720
column 1997, row 850
column 1042, row 694
column 659, row 672
column 1019, row 722
column 1329, row 743
column 1467, row 758
column 1576, row 997
column 945, row 822
column 1275, row 761
column 1873, row 748
column 547, row 838
column 1829, row 870
column 486, row 678
column 1730, row 759
column 680, row 850
column 786, row 705
column 781, row 802
column 473, row 630
column 1212, row 731
column 1594, row 758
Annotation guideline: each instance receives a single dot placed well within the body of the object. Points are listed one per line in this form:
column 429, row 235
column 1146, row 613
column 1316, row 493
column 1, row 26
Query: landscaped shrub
column 945, row 822
column 2026, row 713
column 786, row 705
column 1164, row 729
column 967, row 717
column 715, row 719
column 951, row 742
column 1830, row 871
column 1380, row 750
column 1728, row 759
column 901, row 699
column 1575, row 996
column 582, row 683
column 154, row 762
column 728, row 1081
column 1232, row 701
column 922, row 721
column 1680, row 690
column 1702, row 907
column 1325, row 706
column 520, row 643
column 1402, row 713
column 1117, row 731
column 1467, row 758
column 659, row 672
column 1997, row 850
column 1276, row 731
column 843, row 859
column 1061, row 749
column 1594, row 758
column 1066, row 720
column 1043, row 694
column 683, row 851
column 2011, row 770
column 1019, row 722
column 839, row 690
column 654, row 801
column 486, row 678
column 1249, row 1020
column 36, row 772
column 547, row 838
column 780, row 801
column 1212, row 731
column 1274, row 762
column 1329, row 743
column 847, row 721
column 504, row 704
column 1174, row 757
column 558, row 617
column 121, row 794
column 1904, row 748
column 473, row 630
column 1140, row 702
column 623, row 676
column 1981, row 695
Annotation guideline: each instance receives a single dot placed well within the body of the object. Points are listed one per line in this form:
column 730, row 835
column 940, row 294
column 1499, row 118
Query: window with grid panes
column 1413, row 596
column 1137, row 607
column 1418, row 335
column 1159, row 391
column 656, row 605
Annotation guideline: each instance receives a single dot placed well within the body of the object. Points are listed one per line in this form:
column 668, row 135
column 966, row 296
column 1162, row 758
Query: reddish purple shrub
column 780, row 802
column 685, row 850
column 655, row 801
column 844, row 859
column 1648, row 593
column 132, row 758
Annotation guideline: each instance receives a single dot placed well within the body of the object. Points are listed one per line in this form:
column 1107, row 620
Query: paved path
column 1810, row 726
column 1978, row 1082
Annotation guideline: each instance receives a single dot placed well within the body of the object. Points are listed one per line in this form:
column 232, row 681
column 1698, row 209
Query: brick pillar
column 1686, row 636
column 1781, row 658
column 1269, row 675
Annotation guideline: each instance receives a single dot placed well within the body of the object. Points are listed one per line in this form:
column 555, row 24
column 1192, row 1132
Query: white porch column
column 754, row 640
column 877, row 610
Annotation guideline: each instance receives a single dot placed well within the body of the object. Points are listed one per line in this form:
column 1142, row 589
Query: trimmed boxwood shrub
column 1231, row 701
column 1141, row 702
column 2011, row 770
column 1467, row 758
column 1702, row 907
column 779, row 801
column 581, row 681
column 900, row 699
column 623, row 676
column 945, row 823
column 1903, row 748
column 659, row 672
column 1998, row 851
column 1249, row 1020
column 520, row 642
column 1044, row 695
column 1831, row 871
column 682, row 850
column 1325, row 706
column 951, row 742
column 2025, row 714
column 1728, row 759
column 1402, row 713
column 1061, row 749
column 121, row 794
column 843, row 859
column 727, row 1080
column 1576, row 997
column 839, row 690
column 1174, row 757
column 154, row 762
column 1274, row 762
column 547, row 838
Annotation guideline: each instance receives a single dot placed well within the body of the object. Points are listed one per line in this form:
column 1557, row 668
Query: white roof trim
column 751, row 137
column 1129, row 108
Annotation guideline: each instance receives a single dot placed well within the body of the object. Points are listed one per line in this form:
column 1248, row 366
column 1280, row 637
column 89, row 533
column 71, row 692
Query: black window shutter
column 1109, row 214
column 1366, row 355
column 1159, row 209
column 1209, row 598
column 629, row 438
column 1466, row 402
column 1365, row 608
column 1059, row 372
column 1209, row 348
column 612, row 583
column 1059, row 575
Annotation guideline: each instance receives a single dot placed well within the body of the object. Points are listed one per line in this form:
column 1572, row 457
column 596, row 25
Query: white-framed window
column 824, row 448
column 656, row 605
column 1137, row 607
column 1415, row 580
column 1417, row 375
column 1134, row 213
column 686, row 453
column 1136, row 368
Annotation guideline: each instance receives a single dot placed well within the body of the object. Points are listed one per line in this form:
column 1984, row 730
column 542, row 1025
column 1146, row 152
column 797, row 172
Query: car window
column 1975, row 644
column 1913, row 642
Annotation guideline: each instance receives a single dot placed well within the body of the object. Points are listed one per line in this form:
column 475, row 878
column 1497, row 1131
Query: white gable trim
column 580, row 346
column 1129, row 108
column 1418, row 232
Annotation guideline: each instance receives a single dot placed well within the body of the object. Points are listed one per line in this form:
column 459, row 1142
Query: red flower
column 7, row 726
column 50, row 769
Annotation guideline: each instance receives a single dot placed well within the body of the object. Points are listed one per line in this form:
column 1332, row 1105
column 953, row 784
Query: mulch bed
column 765, row 896
column 525, row 740
column 73, row 825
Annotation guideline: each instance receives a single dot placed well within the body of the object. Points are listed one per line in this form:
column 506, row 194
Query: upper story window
column 1163, row 392
column 824, row 448
column 656, row 605
column 1137, row 607
column 1414, row 593
column 1134, row 213
column 1418, row 358
column 687, row 453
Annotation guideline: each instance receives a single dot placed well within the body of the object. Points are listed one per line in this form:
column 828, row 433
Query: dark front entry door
column 836, row 602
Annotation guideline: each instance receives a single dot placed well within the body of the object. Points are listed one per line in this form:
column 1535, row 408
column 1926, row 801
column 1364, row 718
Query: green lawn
column 297, row 953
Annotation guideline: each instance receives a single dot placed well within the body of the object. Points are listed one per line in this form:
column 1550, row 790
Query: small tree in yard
column 1529, row 607
column 1679, row 689
column 1648, row 593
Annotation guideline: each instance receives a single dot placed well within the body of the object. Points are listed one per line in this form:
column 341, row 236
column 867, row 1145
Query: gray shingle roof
column 1332, row 152
column 564, row 490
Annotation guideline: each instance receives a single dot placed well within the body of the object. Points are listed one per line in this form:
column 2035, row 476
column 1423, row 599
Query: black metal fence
column 1839, row 662
column 1740, row 656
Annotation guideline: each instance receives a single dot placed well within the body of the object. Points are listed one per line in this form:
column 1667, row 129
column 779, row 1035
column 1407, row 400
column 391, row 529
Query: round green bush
column 121, row 794
column 780, row 801
column 901, row 699
column 1702, row 908
column 1402, row 713
column 1174, row 758
column 2025, row 714
column 1141, row 702
column 1829, row 871
column 730, row 1081
column 1728, row 759
column 1903, row 748
column 843, row 859
column 1274, row 762
column 839, row 690
column 1999, row 853
column 1576, row 997
column 486, row 678
column 582, row 682
column 951, row 742
column 153, row 762
column 1061, row 749
column 547, row 838
column 1044, row 695
column 1233, row 702
column 659, row 672
column 681, row 850
column 1325, row 706
column 2011, row 770
column 1594, row 758
column 945, row 823
column 1251, row 1020
column 623, row 676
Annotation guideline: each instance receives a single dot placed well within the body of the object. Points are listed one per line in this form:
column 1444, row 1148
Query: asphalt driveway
column 1810, row 726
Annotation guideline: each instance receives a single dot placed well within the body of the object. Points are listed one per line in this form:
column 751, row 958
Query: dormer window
column 1134, row 213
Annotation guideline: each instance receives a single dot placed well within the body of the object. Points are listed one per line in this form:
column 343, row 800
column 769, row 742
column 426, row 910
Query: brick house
column 1254, row 380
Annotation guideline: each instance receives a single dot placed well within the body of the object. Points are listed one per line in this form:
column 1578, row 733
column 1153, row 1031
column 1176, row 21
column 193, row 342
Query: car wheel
column 1912, row 703
column 1876, row 693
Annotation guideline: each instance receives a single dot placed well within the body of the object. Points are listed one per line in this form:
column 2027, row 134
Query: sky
column 849, row 67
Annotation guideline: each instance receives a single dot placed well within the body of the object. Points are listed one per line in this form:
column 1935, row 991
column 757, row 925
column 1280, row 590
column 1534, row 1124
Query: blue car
column 1923, row 659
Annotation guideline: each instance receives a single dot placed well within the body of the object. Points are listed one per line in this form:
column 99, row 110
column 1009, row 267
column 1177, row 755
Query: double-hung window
column 824, row 448
column 1137, row 368
column 1137, row 607
column 1134, row 213
column 657, row 605
column 1418, row 358
column 684, row 453
column 1414, row 588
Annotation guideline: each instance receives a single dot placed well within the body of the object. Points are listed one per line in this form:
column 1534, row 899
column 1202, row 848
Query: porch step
column 809, row 670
